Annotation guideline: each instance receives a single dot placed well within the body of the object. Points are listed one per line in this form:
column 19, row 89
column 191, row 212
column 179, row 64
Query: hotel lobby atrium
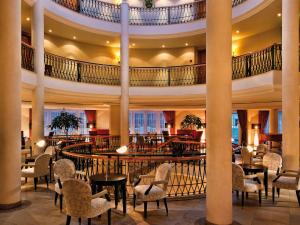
column 149, row 112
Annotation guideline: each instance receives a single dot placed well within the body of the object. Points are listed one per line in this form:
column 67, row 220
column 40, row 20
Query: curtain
column 263, row 117
column 30, row 122
column 242, row 115
column 170, row 119
column 91, row 117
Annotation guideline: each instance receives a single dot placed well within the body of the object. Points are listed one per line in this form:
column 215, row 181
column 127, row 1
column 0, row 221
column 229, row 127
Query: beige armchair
column 154, row 191
column 40, row 168
column 246, row 156
column 245, row 184
column 82, row 204
column 288, row 179
column 64, row 169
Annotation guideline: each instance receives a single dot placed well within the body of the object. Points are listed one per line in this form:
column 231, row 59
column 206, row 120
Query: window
column 139, row 122
column 235, row 127
column 280, row 122
column 151, row 122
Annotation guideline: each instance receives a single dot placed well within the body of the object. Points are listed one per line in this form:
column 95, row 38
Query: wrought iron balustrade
column 140, row 15
column 27, row 57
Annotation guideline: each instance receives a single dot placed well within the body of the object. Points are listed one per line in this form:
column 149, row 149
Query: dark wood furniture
column 116, row 180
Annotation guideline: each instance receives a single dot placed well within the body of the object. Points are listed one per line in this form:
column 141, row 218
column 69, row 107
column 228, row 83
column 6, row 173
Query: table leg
column 93, row 188
column 116, row 195
column 124, row 196
column 266, row 181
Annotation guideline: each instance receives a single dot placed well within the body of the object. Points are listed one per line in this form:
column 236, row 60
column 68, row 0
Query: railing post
column 273, row 57
column 248, row 65
column 169, row 76
column 78, row 72
column 169, row 15
column 78, row 5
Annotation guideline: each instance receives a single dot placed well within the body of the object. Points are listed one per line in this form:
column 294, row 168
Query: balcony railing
column 139, row 15
column 78, row 71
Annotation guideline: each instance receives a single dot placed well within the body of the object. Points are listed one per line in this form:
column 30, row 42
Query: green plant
column 191, row 122
column 149, row 3
column 65, row 121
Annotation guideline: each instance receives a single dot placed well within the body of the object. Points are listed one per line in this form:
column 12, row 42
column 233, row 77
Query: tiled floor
column 38, row 208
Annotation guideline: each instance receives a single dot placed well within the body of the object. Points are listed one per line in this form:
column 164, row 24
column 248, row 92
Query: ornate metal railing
column 188, row 176
column 139, row 15
column 74, row 70
column 27, row 53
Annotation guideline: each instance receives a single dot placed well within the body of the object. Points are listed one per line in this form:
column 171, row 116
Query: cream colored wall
column 179, row 116
column 252, row 118
column 106, row 55
column 157, row 3
column 257, row 42
column 25, row 121
column 102, row 119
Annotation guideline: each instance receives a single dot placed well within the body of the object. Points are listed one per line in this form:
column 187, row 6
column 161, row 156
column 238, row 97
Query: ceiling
column 264, row 20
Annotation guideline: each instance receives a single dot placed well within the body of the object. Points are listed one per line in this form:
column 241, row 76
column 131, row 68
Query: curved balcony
column 85, row 72
column 141, row 16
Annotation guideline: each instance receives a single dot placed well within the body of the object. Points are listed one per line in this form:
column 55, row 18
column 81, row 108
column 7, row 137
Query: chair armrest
column 100, row 194
column 27, row 165
column 290, row 171
column 155, row 183
column 146, row 176
column 59, row 183
column 137, row 181
column 250, row 176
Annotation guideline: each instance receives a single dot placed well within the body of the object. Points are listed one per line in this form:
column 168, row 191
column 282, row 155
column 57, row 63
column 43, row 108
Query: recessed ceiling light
column 133, row 44
column 74, row 37
column 50, row 31
column 107, row 42
column 237, row 31
column 186, row 44
column 28, row 19
column 279, row 14
column 163, row 46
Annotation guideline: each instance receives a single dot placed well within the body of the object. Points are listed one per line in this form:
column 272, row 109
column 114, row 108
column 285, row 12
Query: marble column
column 290, row 83
column 124, row 110
column 273, row 118
column 10, row 104
column 219, row 110
column 39, row 67
column 114, row 120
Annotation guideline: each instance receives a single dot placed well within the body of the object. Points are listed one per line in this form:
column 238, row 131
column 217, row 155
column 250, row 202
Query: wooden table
column 116, row 180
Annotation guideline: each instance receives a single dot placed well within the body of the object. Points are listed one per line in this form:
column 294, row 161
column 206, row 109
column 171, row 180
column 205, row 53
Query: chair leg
column 166, row 205
column 298, row 196
column 259, row 197
column 79, row 220
column 157, row 203
column 134, row 201
column 68, row 220
column 145, row 210
column 273, row 194
column 46, row 179
column 243, row 198
column 278, row 192
column 35, row 180
column 247, row 195
column 237, row 194
column 109, row 217
column 25, row 180
column 55, row 198
column 60, row 202
column 89, row 221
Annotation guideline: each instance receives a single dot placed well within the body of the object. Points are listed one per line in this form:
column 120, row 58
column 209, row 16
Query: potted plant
column 149, row 3
column 65, row 121
column 191, row 122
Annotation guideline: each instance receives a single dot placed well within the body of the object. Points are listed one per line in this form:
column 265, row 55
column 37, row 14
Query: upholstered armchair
column 40, row 168
column 246, row 155
column 274, row 163
column 82, row 204
column 154, row 191
column 64, row 169
column 288, row 179
column 245, row 184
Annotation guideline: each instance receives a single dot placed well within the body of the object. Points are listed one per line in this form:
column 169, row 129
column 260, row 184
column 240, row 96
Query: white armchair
column 82, row 204
column 40, row 168
column 154, row 191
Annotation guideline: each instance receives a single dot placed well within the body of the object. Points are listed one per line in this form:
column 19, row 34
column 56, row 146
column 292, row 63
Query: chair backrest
column 64, row 169
column 50, row 150
column 273, row 161
column 163, row 172
column 246, row 156
column 237, row 177
column 41, row 167
column 261, row 149
column 28, row 144
column 77, row 196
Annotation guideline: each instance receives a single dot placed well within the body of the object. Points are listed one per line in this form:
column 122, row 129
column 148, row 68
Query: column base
column 203, row 221
column 10, row 206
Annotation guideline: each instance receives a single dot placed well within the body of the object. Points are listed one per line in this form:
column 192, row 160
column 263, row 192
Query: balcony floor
column 38, row 208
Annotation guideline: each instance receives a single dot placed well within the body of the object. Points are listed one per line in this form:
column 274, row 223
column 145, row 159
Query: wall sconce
column 91, row 125
column 255, row 126
column 41, row 143
column 234, row 49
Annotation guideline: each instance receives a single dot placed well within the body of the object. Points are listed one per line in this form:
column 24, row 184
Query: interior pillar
column 273, row 118
column 39, row 65
column 219, row 110
column 114, row 120
column 10, row 104
column 290, row 83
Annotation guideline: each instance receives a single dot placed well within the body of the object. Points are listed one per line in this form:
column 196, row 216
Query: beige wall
column 25, row 121
column 252, row 118
column 257, row 42
column 106, row 55
column 102, row 119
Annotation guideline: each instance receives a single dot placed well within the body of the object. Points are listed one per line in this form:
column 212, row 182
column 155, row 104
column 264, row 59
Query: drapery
column 170, row 119
column 263, row 117
column 242, row 115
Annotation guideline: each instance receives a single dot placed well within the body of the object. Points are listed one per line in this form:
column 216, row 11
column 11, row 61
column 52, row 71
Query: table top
column 112, row 177
column 253, row 167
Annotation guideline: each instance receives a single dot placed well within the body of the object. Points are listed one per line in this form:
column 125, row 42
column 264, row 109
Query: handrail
column 177, row 14
column 79, row 71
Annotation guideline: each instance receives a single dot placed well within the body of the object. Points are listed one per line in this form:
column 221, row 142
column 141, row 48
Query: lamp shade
column 122, row 149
